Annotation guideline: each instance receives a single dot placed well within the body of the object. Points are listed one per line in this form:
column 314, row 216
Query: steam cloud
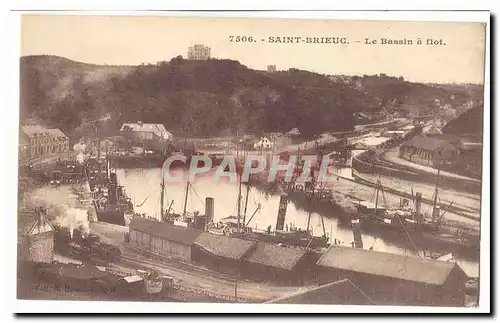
column 80, row 149
column 60, row 210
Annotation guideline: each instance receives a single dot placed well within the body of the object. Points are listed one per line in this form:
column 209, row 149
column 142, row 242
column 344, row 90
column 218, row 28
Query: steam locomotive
column 84, row 246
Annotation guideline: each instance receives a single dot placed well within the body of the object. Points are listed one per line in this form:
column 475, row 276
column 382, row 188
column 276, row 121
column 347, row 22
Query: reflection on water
column 143, row 186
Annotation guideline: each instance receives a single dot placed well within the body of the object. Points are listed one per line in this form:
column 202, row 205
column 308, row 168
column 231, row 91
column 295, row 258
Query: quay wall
column 362, row 164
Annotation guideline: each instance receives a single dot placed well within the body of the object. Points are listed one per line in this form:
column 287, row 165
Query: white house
column 264, row 142
column 145, row 131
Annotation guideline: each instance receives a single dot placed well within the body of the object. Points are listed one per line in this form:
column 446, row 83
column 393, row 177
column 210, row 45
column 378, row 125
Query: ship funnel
column 209, row 209
column 356, row 231
column 418, row 207
column 282, row 213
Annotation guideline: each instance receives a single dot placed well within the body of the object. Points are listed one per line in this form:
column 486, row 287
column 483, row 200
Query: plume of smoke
column 71, row 218
column 80, row 148
column 59, row 211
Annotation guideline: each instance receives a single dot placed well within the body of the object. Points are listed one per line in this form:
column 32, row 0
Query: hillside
column 208, row 98
column 469, row 122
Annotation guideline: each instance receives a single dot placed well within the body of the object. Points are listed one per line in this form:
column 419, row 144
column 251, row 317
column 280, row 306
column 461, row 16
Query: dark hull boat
column 289, row 238
column 111, row 202
column 110, row 215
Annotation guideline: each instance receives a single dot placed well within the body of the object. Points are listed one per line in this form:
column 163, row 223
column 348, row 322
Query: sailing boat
column 402, row 217
column 291, row 236
column 234, row 225
column 185, row 219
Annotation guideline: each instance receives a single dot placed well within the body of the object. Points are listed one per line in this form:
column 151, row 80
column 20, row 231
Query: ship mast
column 246, row 204
column 239, row 186
column 377, row 189
column 162, row 197
column 436, row 193
column 187, row 183
column 185, row 200
column 309, row 218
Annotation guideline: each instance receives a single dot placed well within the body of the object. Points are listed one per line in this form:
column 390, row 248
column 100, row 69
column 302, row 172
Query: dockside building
column 390, row 279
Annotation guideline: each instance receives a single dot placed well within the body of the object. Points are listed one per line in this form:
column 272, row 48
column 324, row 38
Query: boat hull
column 116, row 217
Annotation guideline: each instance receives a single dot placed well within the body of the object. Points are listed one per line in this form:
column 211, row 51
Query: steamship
column 110, row 200
column 112, row 204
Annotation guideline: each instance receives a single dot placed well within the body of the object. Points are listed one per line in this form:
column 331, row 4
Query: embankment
column 371, row 162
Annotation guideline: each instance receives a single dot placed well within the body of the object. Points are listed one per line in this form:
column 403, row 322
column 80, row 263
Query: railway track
column 182, row 268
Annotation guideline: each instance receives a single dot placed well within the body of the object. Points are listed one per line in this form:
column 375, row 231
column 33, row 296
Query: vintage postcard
column 252, row 161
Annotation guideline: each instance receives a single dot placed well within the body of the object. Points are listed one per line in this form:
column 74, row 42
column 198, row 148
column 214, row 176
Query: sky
column 133, row 40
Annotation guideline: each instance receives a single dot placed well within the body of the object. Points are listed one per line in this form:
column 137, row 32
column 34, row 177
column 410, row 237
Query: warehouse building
column 427, row 150
column 162, row 238
column 342, row 292
column 390, row 279
column 221, row 253
column 270, row 262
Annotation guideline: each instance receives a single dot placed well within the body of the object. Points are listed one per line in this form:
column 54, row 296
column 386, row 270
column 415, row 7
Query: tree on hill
column 210, row 98
column 469, row 122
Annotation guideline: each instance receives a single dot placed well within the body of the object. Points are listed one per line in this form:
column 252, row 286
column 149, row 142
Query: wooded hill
column 208, row 98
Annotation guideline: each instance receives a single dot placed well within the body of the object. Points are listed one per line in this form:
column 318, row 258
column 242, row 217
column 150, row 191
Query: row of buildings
column 343, row 275
column 380, row 278
column 37, row 141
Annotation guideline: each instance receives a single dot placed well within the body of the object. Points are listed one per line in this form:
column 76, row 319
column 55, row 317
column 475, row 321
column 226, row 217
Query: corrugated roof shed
column 186, row 236
column 340, row 292
column 223, row 246
column 156, row 128
column 276, row 256
column 385, row 264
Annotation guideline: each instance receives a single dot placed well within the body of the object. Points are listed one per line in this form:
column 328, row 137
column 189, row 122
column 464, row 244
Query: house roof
column 223, row 246
column 275, row 256
column 156, row 128
column 385, row 264
column 37, row 130
column 432, row 129
column 132, row 279
column 429, row 143
column 167, row 231
column 339, row 292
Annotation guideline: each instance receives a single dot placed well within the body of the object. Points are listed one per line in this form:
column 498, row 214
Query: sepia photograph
column 238, row 160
